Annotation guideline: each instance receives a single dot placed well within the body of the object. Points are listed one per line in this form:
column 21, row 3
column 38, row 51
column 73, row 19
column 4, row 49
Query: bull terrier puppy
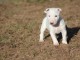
column 55, row 24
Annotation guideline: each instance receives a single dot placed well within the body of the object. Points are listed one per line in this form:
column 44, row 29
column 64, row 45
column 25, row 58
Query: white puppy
column 55, row 24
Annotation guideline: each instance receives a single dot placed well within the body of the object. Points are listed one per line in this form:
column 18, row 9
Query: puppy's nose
column 51, row 23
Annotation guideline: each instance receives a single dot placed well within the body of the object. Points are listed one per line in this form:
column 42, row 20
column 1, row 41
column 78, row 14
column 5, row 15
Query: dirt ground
column 20, row 23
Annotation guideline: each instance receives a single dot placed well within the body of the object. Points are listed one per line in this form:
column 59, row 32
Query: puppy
column 55, row 24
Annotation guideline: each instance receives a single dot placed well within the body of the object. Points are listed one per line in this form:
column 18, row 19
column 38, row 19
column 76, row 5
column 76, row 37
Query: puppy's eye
column 55, row 15
column 49, row 15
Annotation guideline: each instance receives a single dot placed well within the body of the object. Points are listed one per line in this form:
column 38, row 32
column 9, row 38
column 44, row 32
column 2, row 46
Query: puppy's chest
column 56, row 29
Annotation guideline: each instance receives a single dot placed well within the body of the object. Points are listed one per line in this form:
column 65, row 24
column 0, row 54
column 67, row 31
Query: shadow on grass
column 71, row 32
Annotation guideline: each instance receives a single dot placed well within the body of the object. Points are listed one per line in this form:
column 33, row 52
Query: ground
column 20, row 22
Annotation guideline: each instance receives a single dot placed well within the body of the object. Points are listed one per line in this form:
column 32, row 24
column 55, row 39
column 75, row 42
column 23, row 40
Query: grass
column 20, row 1
column 30, row 26
column 37, row 1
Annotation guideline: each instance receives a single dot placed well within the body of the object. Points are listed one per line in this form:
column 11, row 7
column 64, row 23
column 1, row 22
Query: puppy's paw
column 64, row 42
column 56, row 44
column 41, row 40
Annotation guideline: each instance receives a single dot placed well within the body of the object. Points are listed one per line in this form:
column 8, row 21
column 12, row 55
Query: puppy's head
column 52, row 15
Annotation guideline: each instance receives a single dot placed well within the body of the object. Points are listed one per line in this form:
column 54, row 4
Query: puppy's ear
column 45, row 11
column 59, row 9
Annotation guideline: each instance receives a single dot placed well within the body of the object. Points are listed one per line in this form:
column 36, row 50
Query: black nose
column 51, row 23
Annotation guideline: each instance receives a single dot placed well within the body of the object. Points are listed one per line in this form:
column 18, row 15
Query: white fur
column 53, row 29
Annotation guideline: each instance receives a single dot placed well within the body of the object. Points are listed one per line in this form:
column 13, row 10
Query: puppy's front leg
column 54, row 39
column 43, row 28
column 42, row 35
column 64, row 36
